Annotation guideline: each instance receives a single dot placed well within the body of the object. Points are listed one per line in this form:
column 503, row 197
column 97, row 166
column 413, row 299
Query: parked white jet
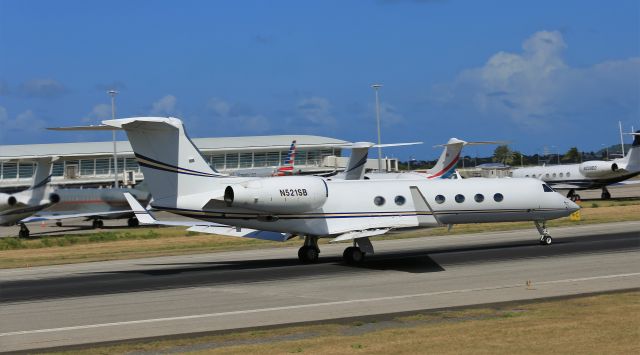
column 182, row 182
column 15, row 207
column 593, row 174
column 444, row 168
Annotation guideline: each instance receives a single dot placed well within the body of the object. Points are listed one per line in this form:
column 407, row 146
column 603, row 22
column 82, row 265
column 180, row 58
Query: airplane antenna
column 621, row 139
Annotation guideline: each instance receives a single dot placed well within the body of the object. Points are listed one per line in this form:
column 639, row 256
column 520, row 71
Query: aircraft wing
column 359, row 234
column 241, row 232
column 564, row 186
column 71, row 215
column 625, row 183
column 145, row 217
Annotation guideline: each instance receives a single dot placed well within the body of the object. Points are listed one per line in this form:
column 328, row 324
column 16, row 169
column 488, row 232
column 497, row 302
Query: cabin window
column 526, row 175
column 533, row 175
column 459, row 198
column 561, row 174
column 568, row 174
column 546, row 188
column 547, row 175
column 440, row 199
column 379, row 200
column 498, row 197
column 400, row 200
column 554, row 175
column 479, row 198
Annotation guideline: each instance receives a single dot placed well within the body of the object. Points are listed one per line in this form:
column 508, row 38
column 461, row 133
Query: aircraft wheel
column 97, row 224
column 23, row 233
column 546, row 240
column 133, row 222
column 59, row 223
column 308, row 254
column 605, row 196
column 353, row 255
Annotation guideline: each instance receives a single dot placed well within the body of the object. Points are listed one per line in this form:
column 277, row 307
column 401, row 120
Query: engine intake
column 8, row 200
column 278, row 194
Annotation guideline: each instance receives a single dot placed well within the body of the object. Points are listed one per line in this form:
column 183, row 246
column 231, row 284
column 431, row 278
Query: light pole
column 113, row 94
column 375, row 88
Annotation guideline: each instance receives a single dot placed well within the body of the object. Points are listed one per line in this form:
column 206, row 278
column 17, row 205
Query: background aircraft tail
column 633, row 155
column 448, row 161
column 289, row 162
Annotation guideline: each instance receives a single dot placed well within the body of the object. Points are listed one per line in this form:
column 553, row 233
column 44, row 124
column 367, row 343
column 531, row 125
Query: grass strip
column 600, row 324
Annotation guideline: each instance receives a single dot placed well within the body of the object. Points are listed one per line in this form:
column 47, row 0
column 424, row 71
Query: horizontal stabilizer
column 454, row 141
column 52, row 217
column 242, row 232
column 359, row 234
column 84, row 128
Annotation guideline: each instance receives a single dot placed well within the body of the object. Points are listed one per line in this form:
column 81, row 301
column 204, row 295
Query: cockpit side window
column 546, row 188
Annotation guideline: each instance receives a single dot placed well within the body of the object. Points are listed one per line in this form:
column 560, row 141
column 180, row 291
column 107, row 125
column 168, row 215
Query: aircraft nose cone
column 571, row 206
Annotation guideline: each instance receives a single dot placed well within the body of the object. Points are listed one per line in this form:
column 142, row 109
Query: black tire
column 308, row 254
column 346, row 255
column 606, row 196
column 23, row 233
column 133, row 222
column 97, row 224
column 59, row 223
column 546, row 240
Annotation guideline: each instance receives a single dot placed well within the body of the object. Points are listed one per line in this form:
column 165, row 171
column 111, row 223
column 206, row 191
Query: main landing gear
column 606, row 195
column 97, row 224
column 309, row 252
column 24, row 231
column 573, row 196
column 352, row 255
column 133, row 222
column 545, row 238
column 355, row 254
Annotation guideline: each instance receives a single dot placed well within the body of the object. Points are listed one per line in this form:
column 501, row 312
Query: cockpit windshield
column 546, row 188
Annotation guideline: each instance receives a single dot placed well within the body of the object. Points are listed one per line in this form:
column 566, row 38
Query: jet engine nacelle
column 278, row 194
column 598, row 168
column 7, row 200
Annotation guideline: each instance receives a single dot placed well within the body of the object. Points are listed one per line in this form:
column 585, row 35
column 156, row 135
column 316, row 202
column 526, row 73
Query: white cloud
column 43, row 88
column 100, row 112
column 240, row 118
column 315, row 110
column 24, row 123
column 537, row 87
column 165, row 106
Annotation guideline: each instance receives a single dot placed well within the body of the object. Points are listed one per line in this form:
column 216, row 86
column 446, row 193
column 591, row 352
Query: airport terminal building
column 91, row 163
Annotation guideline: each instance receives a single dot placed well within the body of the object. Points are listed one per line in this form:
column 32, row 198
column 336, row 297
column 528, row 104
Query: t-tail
column 632, row 159
column 172, row 165
column 289, row 162
column 446, row 165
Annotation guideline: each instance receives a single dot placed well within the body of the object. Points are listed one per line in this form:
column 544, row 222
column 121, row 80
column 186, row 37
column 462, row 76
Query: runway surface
column 86, row 303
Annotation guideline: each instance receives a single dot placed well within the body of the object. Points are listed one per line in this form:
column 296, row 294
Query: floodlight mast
column 113, row 94
column 375, row 88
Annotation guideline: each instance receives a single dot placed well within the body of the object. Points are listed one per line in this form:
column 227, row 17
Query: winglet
column 141, row 213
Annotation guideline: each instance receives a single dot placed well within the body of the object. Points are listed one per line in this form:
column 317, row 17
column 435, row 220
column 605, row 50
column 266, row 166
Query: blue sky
column 536, row 73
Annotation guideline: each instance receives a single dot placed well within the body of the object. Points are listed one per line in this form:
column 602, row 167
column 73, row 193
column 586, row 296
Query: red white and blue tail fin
column 448, row 161
column 289, row 162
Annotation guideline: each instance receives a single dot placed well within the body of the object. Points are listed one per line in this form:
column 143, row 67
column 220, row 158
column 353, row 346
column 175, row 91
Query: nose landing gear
column 545, row 238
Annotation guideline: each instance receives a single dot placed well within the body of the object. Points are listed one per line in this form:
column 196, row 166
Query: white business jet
column 595, row 174
column 182, row 182
column 15, row 207
column 444, row 168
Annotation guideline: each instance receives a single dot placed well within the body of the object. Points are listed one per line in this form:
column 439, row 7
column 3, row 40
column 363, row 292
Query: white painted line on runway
column 312, row 305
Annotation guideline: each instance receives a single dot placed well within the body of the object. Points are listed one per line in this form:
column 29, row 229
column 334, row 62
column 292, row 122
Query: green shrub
column 11, row 243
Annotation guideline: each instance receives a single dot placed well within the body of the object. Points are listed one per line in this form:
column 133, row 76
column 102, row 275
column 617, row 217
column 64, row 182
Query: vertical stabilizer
column 633, row 155
column 357, row 161
column 288, row 165
column 446, row 164
column 172, row 165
